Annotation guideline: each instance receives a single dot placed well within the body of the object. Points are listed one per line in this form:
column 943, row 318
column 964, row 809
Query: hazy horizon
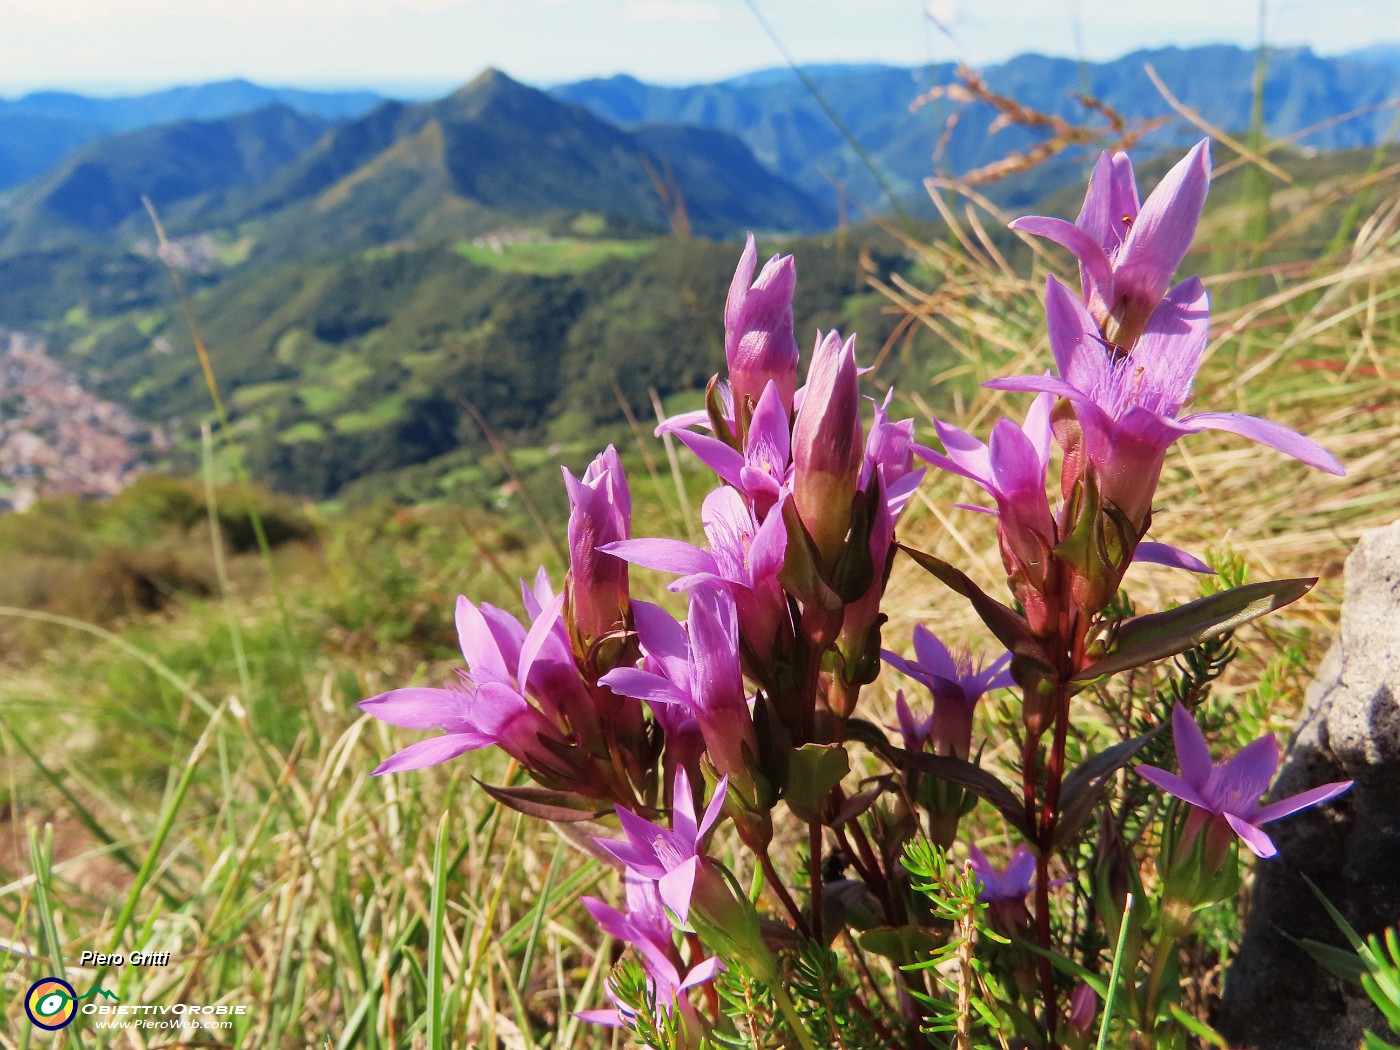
column 412, row 90
column 416, row 48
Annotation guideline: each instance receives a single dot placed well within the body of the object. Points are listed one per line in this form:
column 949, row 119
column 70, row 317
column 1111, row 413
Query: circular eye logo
column 50, row 1004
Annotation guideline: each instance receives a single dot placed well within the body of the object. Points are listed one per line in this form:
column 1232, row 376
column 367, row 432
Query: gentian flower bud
column 1083, row 1004
column 600, row 511
column 827, row 445
column 758, row 342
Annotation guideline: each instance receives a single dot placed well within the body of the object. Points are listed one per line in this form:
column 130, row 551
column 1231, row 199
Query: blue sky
column 421, row 46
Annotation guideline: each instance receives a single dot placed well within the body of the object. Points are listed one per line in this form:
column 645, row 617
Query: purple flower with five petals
column 674, row 858
column 957, row 684
column 1009, row 886
column 647, row 929
column 488, row 703
column 1226, row 796
column 1127, row 255
column 1012, row 469
column 744, row 557
column 763, row 471
column 696, row 667
column 1128, row 404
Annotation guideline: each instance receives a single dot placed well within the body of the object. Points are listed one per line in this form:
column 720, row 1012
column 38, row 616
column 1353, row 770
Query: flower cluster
column 755, row 697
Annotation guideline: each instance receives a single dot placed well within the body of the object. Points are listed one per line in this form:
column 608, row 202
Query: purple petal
column 663, row 639
column 1153, row 553
column 1294, row 803
column 1168, row 354
column 432, row 751
column 702, row 972
column 608, row 918
column 1037, row 426
column 540, row 633
column 714, row 651
column 418, row 707
column 643, row 685
column 1254, row 838
column 677, row 886
column 681, row 421
column 1192, row 753
column 683, row 807
column 479, row 646
column 1080, row 357
column 715, row 454
column 739, row 285
column 769, row 548
column 769, row 439
column 1016, row 467
column 1241, row 781
column 1020, row 872
column 933, row 655
column 663, row 555
column 996, row 675
column 1046, row 384
column 1164, row 228
column 1173, row 785
column 609, row 1018
column 1111, row 204
column 973, row 457
column 1266, row 432
column 1086, row 249
column 713, row 810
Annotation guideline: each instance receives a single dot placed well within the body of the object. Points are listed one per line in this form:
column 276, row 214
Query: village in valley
column 57, row 438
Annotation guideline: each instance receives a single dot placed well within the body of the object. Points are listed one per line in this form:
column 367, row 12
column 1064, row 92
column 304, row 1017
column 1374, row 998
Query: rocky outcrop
column 1276, row 996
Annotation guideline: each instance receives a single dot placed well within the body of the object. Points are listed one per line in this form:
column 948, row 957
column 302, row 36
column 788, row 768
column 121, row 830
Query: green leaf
column 1348, row 931
column 813, row 770
column 1159, row 635
column 1198, row 1028
column 1085, row 784
column 1337, row 961
column 1010, row 629
column 903, row 944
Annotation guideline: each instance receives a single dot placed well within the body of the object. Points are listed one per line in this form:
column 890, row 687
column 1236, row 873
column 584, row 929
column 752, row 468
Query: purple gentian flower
column 1012, row 469
column 647, row 929
column 827, row 445
column 957, row 684
column 1127, row 256
column 1083, row 1004
column 488, row 703
column 763, row 471
column 1128, row 404
column 674, row 858
column 744, row 557
column 1226, row 796
column 600, row 512
column 759, row 346
column 889, row 449
column 698, row 668
column 1008, row 886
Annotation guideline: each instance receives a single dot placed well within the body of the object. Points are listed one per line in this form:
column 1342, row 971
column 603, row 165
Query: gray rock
column 1276, row 996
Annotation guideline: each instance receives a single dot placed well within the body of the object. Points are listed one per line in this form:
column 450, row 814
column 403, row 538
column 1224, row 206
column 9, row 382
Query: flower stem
column 780, row 996
column 770, row 874
column 1161, row 958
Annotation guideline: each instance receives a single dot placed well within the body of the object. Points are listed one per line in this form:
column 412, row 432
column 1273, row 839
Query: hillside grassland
column 184, row 766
